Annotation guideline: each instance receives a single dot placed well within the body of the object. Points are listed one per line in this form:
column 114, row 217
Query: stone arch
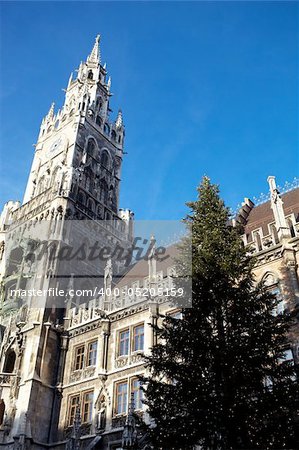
column 81, row 198
column 270, row 279
column 91, row 204
column 91, row 146
column 105, row 158
column 113, row 135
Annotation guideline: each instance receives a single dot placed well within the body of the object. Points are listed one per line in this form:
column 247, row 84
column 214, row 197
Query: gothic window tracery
column 103, row 191
column 105, row 159
column 91, row 205
column 91, row 147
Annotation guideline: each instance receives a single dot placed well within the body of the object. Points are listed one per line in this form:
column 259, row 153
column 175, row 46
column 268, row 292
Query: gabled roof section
column 262, row 215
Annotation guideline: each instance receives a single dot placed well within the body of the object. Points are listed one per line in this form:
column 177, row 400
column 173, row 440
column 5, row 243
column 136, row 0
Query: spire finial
column 119, row 119
column 50, row 114
column 109, row 84
column 94, row 56
column 70, row 80
column 277, row 208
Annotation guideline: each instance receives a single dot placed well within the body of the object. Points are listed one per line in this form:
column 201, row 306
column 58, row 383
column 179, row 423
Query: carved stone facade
column 68, row 371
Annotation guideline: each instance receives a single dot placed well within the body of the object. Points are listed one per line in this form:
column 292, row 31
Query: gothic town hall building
column 69, row 366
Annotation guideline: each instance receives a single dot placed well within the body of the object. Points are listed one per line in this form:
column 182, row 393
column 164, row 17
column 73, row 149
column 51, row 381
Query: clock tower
column 79, row 150
column 72, row 196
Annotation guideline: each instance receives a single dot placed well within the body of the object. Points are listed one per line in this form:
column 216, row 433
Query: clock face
column 55, row 147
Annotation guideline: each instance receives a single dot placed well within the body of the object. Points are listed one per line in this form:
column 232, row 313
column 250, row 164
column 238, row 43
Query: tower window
column 99, row 121
column 10, row 360
column 104, row 192
column 291, row 227
column 106, row 128
column 90, row 204
column 81, row 198
column 105, row 159
column 90, row 75
column 91, row 147
column 113, row 135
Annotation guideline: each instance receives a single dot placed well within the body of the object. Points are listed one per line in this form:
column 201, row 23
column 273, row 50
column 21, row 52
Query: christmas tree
column 218, row 377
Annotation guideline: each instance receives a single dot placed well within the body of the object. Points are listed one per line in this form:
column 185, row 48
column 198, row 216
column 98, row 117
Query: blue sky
column 205, row 88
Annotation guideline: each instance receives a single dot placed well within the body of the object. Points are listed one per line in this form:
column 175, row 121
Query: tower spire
column 119, row 119
column 50, row 114
column 95, row 56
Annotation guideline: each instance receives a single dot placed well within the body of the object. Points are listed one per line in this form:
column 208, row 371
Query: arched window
column 90, row 204
column 100, row 212
column 99, row 121
column 90, row 75
column 87, row 183
column 258, row 240
column 106, row 128
column 105, row 159
column 2, row 411
column 113, row 135
column 291, row 227
column 103, row 192
column 9, row 363
column 272, row 285
column 81, row 198
column 91, row 147
column 274, row 233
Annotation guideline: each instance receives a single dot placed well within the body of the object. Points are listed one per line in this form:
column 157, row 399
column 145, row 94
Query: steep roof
column 140, row 269
column 262, row 215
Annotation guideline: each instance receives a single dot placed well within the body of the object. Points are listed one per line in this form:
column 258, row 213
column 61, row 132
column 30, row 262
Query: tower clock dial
column 55, row 147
